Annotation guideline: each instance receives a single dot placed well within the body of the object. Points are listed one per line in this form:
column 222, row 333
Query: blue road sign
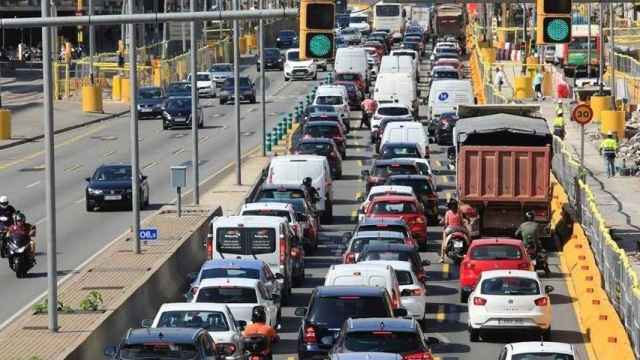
column 148, row 234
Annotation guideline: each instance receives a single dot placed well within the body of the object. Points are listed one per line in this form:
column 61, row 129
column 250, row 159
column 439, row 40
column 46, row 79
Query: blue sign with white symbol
column 443, row 96
column 148, row 234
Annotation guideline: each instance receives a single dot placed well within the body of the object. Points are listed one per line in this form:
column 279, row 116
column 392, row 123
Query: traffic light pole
column 524, row 40
column 589, row 41
column 236, row 90
column 612, row 56
column 133, row 124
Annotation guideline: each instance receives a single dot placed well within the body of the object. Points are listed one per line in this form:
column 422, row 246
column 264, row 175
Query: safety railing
column 620, row 281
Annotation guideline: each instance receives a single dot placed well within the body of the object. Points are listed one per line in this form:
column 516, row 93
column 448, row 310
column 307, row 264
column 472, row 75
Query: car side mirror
column 146, row 323
column 279, row 276
column 425, row 262
column 327, row 340
column 430, row 340
column 548, row 289
column 300, row 311
column 241, row 324
column 400, row 312
column 110, row 351
column 87, row 179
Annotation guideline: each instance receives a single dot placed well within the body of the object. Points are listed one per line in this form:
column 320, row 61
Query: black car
column 393, row 150
column 111, row 185
column 150, row 101
column 443, row 128
column 323, row 147
column 326, row 129
column 423, row 188
column 164, row 343
column 381, row 169
column 180, row 88
column 395, row 252
column 177, row 113
column 384, row 335
column 413, row 45
column 287, row 39
column 247, row 90
column 272, row 59
column 328, row 309
column 308, row 216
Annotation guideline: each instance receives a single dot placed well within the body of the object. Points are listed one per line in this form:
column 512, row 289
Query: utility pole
column 135, row 151
column 612, row 56
column 263, row 97
column 194, row 107
column 601, row 52
column 589, row 41
column 165, row 30
column 92, row 42
column 236, row 90
column 182, row 28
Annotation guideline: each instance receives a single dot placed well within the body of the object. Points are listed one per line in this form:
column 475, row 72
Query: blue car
column 287, row 39
column 150, row 101
column 180, row 88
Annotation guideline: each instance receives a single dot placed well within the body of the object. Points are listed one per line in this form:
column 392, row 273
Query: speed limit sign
column 582, row 114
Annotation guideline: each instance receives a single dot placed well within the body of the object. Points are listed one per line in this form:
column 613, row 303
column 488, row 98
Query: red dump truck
column 503, row 165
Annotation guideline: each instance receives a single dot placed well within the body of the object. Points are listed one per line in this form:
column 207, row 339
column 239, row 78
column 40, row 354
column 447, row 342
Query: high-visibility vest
column 609, row 145
column 558, row 121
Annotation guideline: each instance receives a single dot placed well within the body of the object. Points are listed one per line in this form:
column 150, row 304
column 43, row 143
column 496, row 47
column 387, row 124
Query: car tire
column 165, row 127
column 464, row 296
column 222, row 101
column 146, row 200
column 285, row 78
column 474, row 335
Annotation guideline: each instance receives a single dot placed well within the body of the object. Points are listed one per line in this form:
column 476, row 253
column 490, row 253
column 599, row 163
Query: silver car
column 351, row 36
column 220, row 72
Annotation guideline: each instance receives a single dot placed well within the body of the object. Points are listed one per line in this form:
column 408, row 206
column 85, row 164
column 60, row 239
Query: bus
column 389, row 16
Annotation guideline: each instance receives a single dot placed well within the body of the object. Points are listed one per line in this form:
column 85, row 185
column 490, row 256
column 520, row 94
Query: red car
column 491, row 254
column 456, row 64
column 326, row 129
column 406, row 208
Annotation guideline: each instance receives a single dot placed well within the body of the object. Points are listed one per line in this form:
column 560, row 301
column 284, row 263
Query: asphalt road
column 78, row 153
column 447, row 317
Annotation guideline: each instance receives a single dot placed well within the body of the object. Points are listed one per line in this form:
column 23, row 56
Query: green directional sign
column 557, row 30
column 320, row 45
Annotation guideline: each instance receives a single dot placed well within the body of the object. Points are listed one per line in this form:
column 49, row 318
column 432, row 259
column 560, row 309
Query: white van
column 292, row 169
column 375, row 275
column 415, row 58
column 397, row 64
column 446, row 95
column 396, row 87
column 336, row 96
column 407, row 132
column 266, row 238
column 352, row 60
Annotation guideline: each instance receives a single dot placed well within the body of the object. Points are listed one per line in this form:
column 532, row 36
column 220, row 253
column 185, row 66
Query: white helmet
column 4, row 201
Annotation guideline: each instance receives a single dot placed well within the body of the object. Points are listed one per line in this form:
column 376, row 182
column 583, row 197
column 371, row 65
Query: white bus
column 389, row 17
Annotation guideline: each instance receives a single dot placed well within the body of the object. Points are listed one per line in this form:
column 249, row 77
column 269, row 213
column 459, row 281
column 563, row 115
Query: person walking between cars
column 307, row 183
column 558, row 125
column 608, row 149
column 537, row 86
column 453, row 222
column 499, row 78
column 369, row 107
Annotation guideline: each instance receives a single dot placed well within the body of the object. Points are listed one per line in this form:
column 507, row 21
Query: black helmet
column 452, row 204
column 258, row 315
column 306, row 181
column 19, row 217
column 529, row 215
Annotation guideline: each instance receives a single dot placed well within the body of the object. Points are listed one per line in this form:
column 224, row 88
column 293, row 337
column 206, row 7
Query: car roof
column 395, row 264
column 541, row 346
column 494, row 241
column 321, row 123
column 282, row 186
column 333, row 291
column 391, row 247
column 233, row 263
column 381, row 234
column 393, row 105
column 385, row 162
column 384, row 198
column 191, row 306
column 267, row 205
column 249, row 220
column 410, row 177
column 382, row 221
column 386, row 324
column 218, row 282
column 381, row 189
column 399, row 143
column 169, row 335
column 512, row 273
column 288, row 158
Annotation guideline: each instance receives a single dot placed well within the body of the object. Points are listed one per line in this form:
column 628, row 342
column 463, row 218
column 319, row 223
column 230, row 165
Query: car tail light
column 209, row 248
column 542, row 301
column 283, row 250
column 350, row 258
column 226, row 348
column 310, row 336
column 479, row 301
column 418, row 356
column 295, row 228
column 307, row 136
column 333, row 154
column 419, row 220
column 395, row 301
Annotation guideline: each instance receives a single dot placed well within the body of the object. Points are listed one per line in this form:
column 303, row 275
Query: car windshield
column 446, row 75
column 393, row 111
column 509, row 286
column 404, row 277
column 397, row 342
column 298, row 204
column 272, row 53
column 227, row 295
column 390, row 152
column 395, row 169
column 446, row 50
column 179, row 88
column 333, row 311
column 113, row 173
column 221, row 68
column 329, row 100
column 321, row 131
column 280, row 194
column 158, row 351
column 231, row 272
column 385, row 255
column 209, row 320
column 360, row 243
column 269, row 212
column 541, row 356
column 293, row 56
column 419, row 186
column 178, row 104
column 394, row 207
column 287, row 34
column 323, row 117
column 315, row 148
column 495, row 252
column 405, row 53
column 203, row 77
column 150, row 93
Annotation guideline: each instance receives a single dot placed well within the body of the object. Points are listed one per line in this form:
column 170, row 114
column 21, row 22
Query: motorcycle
column 539, row 259
column 3, row 232
column 20, row 253
column 257, row 347
column 457, row 246
column 451, row 155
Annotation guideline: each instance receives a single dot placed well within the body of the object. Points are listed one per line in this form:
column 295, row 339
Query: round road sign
column 582, row 114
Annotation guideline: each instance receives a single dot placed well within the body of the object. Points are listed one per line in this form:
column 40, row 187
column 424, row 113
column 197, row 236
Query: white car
column 205, row 83
column 241, row 296
column 413, row 295
column 538, row 350
column 383, row 190
column 389, row 110
column 217, row 319
column 296, row 68
column 275, row 209
column 509, row 300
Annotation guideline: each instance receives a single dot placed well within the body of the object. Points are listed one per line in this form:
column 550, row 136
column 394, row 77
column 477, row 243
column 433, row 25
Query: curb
column 63, row 130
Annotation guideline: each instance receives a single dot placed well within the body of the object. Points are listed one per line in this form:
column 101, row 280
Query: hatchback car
column 393, row 150
column 204, row 82
column 383, row 224
column 177, row 113
column 272, row 60
column 509, row 300
column 326, row 129
column 329, row 307
column 538, row 350
column 382, row 190
column 308, row 217
column 287, row 39
column 356, row 78
column 150, row 101
column 363, row 238
column 424, row 190
column 110, row 185
column 247, row 90
column 161, row 343
column 324, row 147
column 405, row 208
column 221, row 72
column 319, row 109
column 330, row 116
column 490, row 254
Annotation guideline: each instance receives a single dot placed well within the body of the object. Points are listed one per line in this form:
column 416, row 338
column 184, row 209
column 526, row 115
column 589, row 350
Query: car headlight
column 139, row 107
column 312, row 67
column 21, row 249
column 166, row 115
column 95, row 191
column 277, row 39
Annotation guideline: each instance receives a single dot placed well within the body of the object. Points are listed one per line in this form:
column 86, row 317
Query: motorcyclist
column 307, row 183
column 22, row 227
column 7, row 213
column 453, row 222
column 529, row 232
column 259, row 326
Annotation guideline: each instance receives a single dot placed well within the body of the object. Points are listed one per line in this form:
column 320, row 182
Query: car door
column 271, row 284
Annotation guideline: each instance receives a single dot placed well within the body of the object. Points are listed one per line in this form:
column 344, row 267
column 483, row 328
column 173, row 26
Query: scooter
column 539, row 259
column 457, row 246
column 257, row 347
column 20, row 253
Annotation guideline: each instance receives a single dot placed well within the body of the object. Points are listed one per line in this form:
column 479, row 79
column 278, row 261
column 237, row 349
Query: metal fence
column 619, row 280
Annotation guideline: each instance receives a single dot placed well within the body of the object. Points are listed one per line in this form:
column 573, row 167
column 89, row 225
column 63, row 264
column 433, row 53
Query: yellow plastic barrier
column 547, row 83
column 612, row 121
column 92, row 99
column 125, row 91
column 599, row 103
column 488, row 55
column 243, row 45
column 5, row 124
column 523, row 89
column 116, row 88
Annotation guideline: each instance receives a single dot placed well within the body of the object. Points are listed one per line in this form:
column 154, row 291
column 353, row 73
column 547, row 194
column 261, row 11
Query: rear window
column 333, row 311
column 209, row 320
column 541, row 356
column 229, row 273
column 246, row 241
column 404, row 277
column 321, row 131
column 397, row 342
column 393, row 111
column 395, row 228
column 281, row 194
column 495, row 252
column 269, row 212
column 395, row 169
column 385, row 255
column 419, row 186
column 359, row 243
column 510, row 286
column 406, row 53
column 315, row 148
column 394, row 208
column 159, row 350
column 347, row 77
column 323, row 118
column 227, row 295
column 390, row 152
column 329, row 100
column 446, row 75
column 446, row 50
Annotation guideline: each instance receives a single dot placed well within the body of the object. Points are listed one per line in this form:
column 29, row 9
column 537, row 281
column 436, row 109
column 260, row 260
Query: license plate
column 113, row 197
column 146, row 110
column 457, row 244
column 510, row 322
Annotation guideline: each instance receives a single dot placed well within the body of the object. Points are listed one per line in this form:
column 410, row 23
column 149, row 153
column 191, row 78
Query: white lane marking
column 32, row 185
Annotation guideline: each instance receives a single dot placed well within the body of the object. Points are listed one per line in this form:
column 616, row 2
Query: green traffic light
column 320, row 45
column 557, row 30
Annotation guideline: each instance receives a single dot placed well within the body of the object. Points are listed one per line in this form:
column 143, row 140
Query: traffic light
column 553, row 21
column 317, row 23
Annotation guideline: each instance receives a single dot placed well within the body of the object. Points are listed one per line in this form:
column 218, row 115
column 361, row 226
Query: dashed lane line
column 177, row 151
column 150, row 165
column 109, row 153
column 445, row 271
column 73, row 167
column 32, row 184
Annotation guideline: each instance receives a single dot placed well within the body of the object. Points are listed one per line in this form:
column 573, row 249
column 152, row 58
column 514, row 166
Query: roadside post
column 178, row 181
column 582, row 114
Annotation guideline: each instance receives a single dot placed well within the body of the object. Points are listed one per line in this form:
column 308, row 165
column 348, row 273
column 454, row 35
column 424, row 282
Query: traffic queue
column 376, row 300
